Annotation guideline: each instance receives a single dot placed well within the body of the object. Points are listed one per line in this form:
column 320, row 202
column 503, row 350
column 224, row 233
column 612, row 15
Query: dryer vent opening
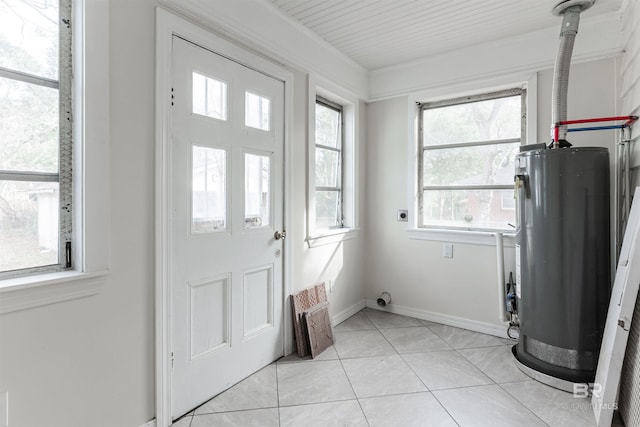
column 384, row 299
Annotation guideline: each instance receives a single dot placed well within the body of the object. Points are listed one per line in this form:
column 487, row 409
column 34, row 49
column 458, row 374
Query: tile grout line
column 418, row 376
column 397, row 352
column 351, row 384
column 493, row 382
column 523, row 404
column 354, row 391
column 445, row 408
column 278, row 395
column 475, row 366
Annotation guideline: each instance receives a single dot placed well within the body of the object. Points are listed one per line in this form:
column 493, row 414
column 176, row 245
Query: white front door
column 226, row 180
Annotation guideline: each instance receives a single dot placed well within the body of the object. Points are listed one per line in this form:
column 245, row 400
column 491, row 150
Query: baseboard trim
column 348, row 312
column 445, row 319
column 151, row 423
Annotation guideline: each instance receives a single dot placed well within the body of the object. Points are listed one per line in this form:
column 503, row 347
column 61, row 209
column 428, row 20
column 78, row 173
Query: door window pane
column 328, row 209
column 477, row 209
column 257, row 112
column 209, row 97
column 29, row 123
column 209, row 190
column 29, row 226
column 257, row 193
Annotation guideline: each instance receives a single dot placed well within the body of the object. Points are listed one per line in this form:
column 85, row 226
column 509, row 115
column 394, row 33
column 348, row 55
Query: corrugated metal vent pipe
column 570, row 11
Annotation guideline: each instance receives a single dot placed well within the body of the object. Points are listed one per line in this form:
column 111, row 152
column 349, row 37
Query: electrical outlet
column 330, row 283
column 447, row 250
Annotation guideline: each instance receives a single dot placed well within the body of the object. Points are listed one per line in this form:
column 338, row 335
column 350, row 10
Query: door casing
column 167, row 25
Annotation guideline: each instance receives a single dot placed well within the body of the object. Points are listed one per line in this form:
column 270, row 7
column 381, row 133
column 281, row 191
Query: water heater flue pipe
column 570, row 11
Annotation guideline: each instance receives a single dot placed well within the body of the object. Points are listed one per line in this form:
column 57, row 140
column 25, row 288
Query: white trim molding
column 333, row 236
column 318, row 86
column 91, row 222
column 445, row 319
column 150, row 423
column 169, row 25
column 485, row 238
column 527, row 53
column 34, row 291
column 527, row 80
column 338, row 318
column 285, row 41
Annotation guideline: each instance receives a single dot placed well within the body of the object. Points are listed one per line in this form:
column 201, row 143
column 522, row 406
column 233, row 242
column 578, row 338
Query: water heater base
column 543, row 378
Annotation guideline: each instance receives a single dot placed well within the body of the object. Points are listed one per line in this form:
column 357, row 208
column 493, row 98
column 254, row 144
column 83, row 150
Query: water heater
column 562, row 259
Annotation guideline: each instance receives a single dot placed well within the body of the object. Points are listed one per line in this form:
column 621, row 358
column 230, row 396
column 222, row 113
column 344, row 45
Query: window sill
column 23, row 293
column 486, row 238
column 332, row 236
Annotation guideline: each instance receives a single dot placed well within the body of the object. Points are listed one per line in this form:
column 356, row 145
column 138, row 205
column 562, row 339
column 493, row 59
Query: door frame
column 168, row 25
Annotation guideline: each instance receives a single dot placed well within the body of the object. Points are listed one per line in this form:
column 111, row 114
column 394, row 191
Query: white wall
column 414, row 271
column 90, row 361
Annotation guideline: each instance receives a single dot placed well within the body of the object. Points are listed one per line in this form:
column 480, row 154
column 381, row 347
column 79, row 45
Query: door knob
column 278, row 235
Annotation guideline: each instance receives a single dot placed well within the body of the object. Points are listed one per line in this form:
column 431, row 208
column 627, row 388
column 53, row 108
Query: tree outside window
column 467, row 151
column 35, row 138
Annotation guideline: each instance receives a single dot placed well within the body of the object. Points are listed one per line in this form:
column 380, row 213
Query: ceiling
column 382, row 33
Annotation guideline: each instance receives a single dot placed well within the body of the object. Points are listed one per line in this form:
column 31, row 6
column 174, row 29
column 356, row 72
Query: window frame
column 318, row 86
column 91, row 186
column 64, row 175
column 340, row 150
column 422, row 147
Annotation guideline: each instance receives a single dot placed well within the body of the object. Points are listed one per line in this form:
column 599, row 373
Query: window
column 35, row 136
column 466, row 161
column 328, row 165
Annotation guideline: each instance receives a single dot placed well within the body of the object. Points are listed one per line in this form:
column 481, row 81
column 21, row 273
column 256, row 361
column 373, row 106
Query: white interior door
column 226, row 180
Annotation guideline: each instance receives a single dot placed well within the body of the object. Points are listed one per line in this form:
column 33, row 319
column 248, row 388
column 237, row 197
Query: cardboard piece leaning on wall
column 301, row 302
column 320, row 332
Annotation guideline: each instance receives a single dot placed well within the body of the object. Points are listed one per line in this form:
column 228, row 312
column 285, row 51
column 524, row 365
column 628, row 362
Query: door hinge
column 171, row 96
column 173, row 359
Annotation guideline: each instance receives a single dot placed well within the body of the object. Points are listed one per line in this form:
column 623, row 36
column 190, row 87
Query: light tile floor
column 391, row 370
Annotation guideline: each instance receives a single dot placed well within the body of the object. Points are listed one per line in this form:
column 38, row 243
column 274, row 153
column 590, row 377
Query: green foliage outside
column 29, row 124
column 468, row 166
column 328, row 166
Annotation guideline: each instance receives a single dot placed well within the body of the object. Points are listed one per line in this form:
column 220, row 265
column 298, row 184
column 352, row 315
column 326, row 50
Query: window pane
column 327, row 168
column 257, row 111
column 209, row 190
column 468, row 208
column 328, row 130
column 28, row 127
column 327, row 209
column 28, row 224
column 257, row 196
column 29, row 37
column 477, row 121
column 485, row 164
column 209, row 97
